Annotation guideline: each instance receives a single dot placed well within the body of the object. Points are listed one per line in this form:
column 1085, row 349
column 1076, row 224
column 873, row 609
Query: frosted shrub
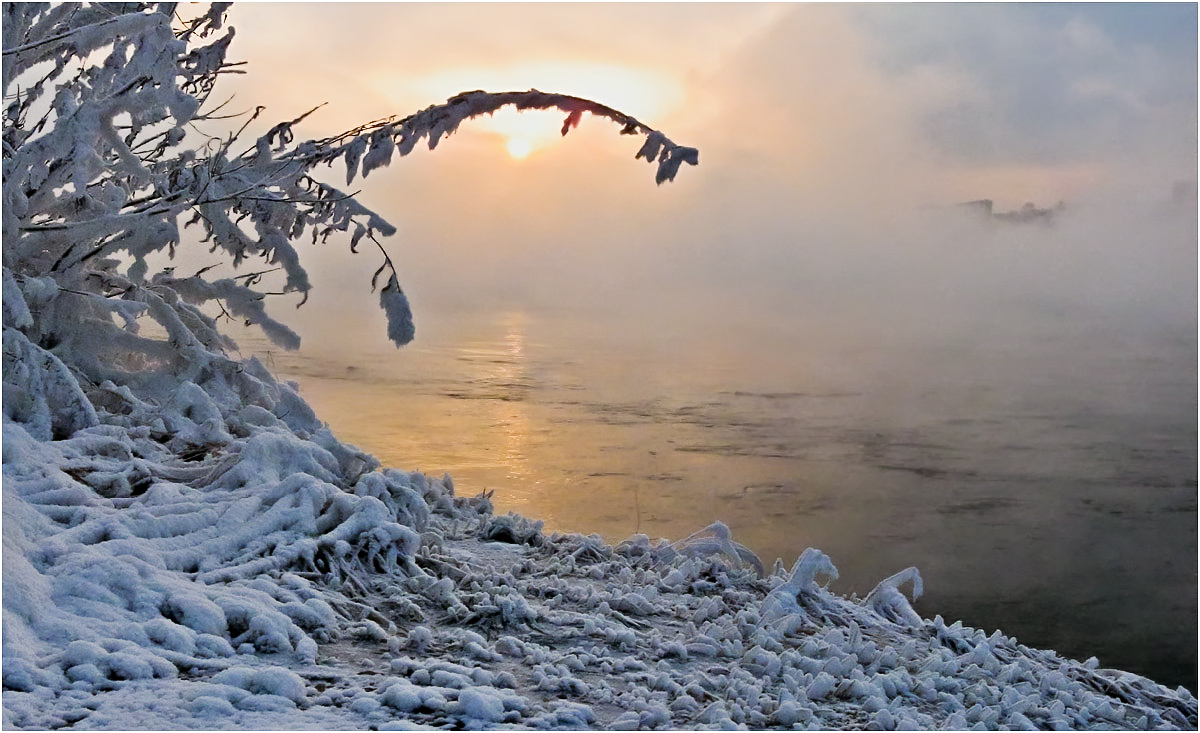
column 152, row 483
column 103, row 172
column 187, row 545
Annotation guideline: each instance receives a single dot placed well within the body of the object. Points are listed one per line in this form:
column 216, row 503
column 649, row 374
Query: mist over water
column 1010, row 409
column 804, row 337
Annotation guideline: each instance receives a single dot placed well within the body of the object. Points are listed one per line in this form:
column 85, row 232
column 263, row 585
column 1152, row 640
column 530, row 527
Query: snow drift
column 186, row 545
column 197, row 557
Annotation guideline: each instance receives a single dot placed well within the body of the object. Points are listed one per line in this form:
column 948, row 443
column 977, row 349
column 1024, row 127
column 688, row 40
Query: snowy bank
column 207, row 555
column 186, row 545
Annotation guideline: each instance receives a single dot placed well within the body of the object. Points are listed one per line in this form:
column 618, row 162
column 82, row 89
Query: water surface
column 1041, row 475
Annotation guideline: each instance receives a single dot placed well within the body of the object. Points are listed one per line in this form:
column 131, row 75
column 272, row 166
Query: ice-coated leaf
column 395, row 305
column 811, row 565
column 380, row 152
column 668, row 164
column 650, row 148
column 354, row 152
column 717, row 539
column 572, row 120
column 16, row 311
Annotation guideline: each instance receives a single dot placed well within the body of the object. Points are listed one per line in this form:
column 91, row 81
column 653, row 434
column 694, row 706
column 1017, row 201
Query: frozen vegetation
column 196, row 558
column 186, row 545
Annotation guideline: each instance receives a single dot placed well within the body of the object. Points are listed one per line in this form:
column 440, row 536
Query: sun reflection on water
column 570, row 422
column 514, row 371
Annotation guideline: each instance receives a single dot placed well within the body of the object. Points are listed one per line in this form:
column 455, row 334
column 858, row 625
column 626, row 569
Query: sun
column 522, row 133
column 519, row 148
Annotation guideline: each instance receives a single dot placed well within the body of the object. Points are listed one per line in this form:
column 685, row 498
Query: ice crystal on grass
column 887, row 600
column 717, row 539
column 186, row 545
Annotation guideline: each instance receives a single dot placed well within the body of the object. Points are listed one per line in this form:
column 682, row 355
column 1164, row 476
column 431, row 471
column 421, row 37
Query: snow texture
column 187, row 546
column 276, row 579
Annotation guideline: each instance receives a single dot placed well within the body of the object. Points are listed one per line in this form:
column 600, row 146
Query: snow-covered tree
column 165, row 503
column 102, row 170
column 172, row 514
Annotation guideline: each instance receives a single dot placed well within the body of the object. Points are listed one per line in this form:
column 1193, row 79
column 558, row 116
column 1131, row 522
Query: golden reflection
column 516, row 427
column 502, row 376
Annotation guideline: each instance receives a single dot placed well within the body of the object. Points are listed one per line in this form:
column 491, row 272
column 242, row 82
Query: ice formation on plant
column 186, row 545
column 887, row 600
column 716, row 538
column 153, row 483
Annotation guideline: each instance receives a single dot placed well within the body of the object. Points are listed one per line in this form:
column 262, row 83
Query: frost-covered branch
column 102, row 173
column 887, row 601
column 170, row 512
column 373, row 145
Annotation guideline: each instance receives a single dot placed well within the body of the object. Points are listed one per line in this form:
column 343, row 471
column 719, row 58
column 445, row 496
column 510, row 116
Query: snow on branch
column 716, row 539
column 888, row 601
column 96, row 165
column 371, row 146
column 782, row 605
column 380, row 139
column 103, row 174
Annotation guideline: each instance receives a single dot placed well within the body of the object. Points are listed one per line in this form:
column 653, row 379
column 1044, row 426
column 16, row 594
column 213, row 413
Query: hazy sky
column 823, row 130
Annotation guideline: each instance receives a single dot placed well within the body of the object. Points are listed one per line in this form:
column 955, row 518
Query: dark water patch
column 768, row 489
column 977, row 506
column 1188, row 508
column 741, row 450
column 768, row 395
column 697, row 409
column 929, row 472
column 791, row 395
column 919, row 445
column 1127, row 507
column 484, row 360
column 497, row 396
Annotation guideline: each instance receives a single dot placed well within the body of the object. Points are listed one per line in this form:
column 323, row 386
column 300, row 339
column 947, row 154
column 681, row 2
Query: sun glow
column 522, row 132
column 519, row 147
column 644, row 94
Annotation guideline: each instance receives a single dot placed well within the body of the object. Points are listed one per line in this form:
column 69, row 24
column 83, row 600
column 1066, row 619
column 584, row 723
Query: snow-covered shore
column 186, row 544
column 205, row 554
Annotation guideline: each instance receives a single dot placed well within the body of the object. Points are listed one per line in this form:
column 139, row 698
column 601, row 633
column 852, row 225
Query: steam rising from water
column 1011, row 409
column 939, row 384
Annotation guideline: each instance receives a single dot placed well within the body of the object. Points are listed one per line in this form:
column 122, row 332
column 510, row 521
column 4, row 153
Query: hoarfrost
column 399, row 314
column 716, row 538
column 887, row 601
column 186, row 545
